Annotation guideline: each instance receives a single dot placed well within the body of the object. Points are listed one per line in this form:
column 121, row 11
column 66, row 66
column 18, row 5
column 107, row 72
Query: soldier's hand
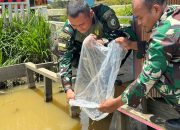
column 93, row 36
column 110, row 105
column 100, row 41
column 70, row 94
column 89, row 40
column 126, row 43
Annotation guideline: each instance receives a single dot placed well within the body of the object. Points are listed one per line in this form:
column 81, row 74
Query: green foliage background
column 114, row 2
column 24, row 40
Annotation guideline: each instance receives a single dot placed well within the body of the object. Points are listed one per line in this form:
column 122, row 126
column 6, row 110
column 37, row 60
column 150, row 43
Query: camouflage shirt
column 105, row 25
column 161, row 68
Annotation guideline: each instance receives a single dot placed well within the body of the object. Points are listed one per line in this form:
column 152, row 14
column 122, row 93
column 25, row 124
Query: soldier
column 161, row 68
column 82, row 21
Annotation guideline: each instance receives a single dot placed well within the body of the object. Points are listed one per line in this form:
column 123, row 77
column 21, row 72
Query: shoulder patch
column 66, row 33
column 68, row 29
column 111, row 19
column 113, row 22
column 65, row 36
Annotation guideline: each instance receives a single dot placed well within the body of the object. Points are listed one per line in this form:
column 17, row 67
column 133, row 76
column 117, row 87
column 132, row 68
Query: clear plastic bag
column 97, row 72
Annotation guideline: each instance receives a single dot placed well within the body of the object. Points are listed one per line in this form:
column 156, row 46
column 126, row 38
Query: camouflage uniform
column 105, row 25
column 161, row 68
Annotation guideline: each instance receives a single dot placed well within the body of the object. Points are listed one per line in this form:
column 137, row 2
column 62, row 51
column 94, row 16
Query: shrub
column 123, row 11
column 24, row 40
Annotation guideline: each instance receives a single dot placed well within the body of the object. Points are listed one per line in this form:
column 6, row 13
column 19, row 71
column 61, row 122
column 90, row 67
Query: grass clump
column 24, row 40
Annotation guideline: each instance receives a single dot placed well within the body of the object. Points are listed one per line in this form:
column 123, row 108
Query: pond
column 25, row 109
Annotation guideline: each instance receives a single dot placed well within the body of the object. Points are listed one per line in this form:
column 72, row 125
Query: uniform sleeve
column 54, row 45
column 66, row 68
column 65, row 46
column 154, row 66
column 60, row 38
column 107, row 16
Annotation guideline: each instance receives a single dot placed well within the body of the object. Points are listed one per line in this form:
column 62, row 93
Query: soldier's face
column 146, row 17
column 82, row 22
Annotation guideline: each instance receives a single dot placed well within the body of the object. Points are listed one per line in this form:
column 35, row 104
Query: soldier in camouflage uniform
column 82, row 21
column 161, row 68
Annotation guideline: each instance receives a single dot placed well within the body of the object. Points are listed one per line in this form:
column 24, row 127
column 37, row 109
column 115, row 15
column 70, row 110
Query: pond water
column 24, row 109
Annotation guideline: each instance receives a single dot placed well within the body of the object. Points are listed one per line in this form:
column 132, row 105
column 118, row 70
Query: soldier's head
column 148, row 12
column 80, row 15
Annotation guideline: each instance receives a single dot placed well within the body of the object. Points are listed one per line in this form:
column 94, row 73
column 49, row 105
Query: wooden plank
column 125, row 17
column 31, row 66
column 56, row 12
column 143, row 118
column 16, row 10
column 47, row 73
column 48, row 77
column 10, row 11
column 30, row 78
column 27, row 8
column 48, row 89
column 46, row 65
column 12, row 72
column 22, row 10
column 3, row 9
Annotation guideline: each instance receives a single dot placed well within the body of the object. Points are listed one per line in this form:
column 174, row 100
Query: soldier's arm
column 58, row 46
column 162, row 47
column 65, row 47
column 66, row 70
column 153, row 68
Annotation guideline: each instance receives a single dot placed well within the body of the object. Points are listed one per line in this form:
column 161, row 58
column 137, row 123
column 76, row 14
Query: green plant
column 63, row 18
column 123, row 11
column 24, row 40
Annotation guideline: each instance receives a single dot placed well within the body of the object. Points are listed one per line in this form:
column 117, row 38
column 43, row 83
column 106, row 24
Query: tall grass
column 1, row 28
column 24, row 40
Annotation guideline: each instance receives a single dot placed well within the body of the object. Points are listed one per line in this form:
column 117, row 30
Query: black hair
column 150, row 3
column 75, row 7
